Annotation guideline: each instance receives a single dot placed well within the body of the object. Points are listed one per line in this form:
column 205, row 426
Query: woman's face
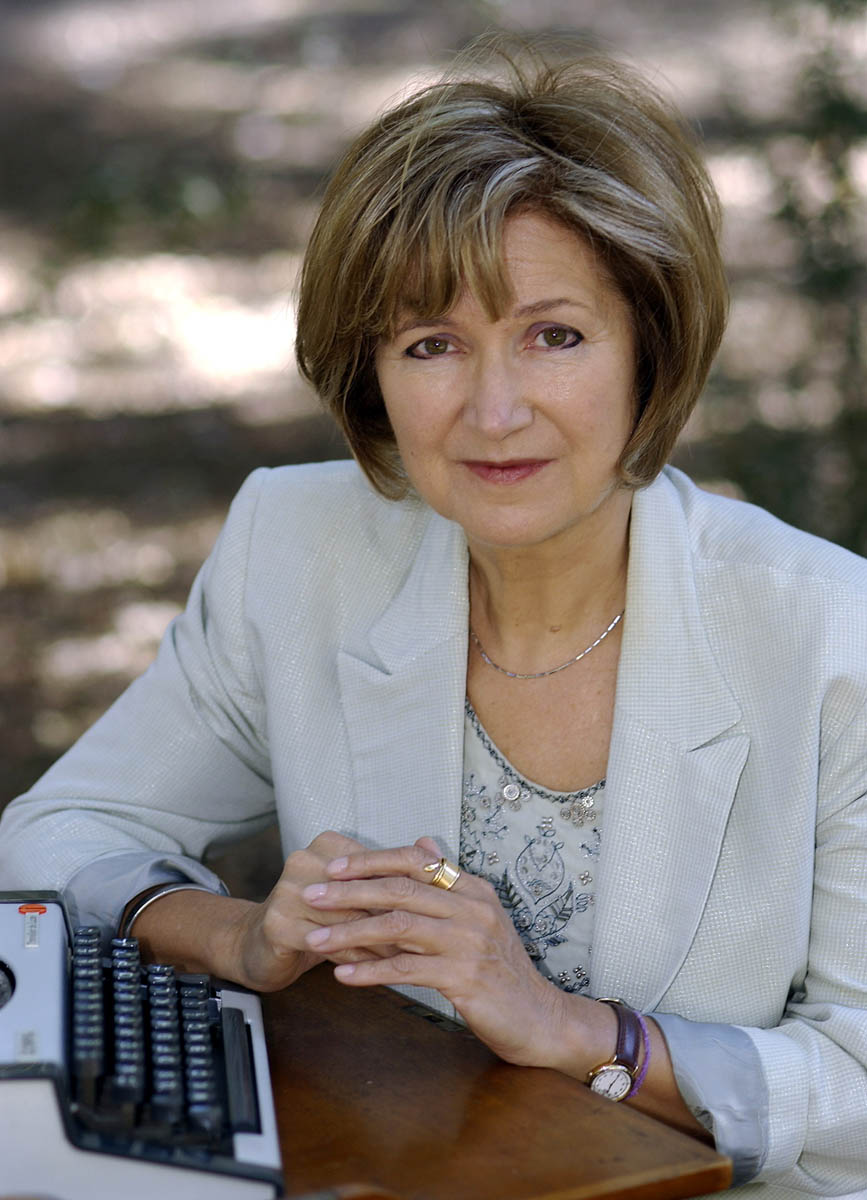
column 514, row 427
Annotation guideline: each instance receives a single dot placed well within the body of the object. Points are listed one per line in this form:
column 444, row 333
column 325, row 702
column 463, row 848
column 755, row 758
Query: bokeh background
column 160, row 164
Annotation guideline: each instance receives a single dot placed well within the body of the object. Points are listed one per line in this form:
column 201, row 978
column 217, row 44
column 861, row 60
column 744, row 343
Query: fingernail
column 344, row 971
column 337, row 864
column 318, row 937
column 315, row 891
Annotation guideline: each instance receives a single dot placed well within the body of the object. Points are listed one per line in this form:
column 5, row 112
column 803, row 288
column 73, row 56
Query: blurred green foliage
column 97, row 167
column 813, row 477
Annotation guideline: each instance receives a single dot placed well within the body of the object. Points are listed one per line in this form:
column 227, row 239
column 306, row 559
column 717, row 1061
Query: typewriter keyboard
column 154, row 1054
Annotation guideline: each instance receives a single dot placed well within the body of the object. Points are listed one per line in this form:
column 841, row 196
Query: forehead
column 541, row 253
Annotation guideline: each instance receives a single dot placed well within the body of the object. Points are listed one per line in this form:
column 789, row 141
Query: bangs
column 450, row 243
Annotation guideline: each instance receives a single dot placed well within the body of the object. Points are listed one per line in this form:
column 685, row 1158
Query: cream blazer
column 319, row 671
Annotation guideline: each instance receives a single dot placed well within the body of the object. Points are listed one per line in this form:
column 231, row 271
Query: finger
column 287, row 906
column 420, row 970
column 353, row 955
column 307, row 863
column 305, row 866
column 384, row 893
column 329, row 844
column 402, row 930
column 404, row 860
column 284, row 938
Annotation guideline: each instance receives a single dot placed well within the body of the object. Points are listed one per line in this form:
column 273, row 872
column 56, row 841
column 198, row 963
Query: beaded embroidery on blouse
column 538, row 849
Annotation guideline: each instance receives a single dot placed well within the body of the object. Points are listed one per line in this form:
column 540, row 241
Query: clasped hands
column 375, row 915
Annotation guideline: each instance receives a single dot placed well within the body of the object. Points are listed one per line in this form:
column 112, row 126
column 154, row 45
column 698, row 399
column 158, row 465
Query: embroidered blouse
column 538, row 849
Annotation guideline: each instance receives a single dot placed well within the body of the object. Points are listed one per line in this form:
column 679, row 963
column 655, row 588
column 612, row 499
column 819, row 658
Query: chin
column 508, row 536
column 511, row 530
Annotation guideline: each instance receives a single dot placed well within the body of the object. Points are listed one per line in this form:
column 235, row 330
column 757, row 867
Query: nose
column 497, row 404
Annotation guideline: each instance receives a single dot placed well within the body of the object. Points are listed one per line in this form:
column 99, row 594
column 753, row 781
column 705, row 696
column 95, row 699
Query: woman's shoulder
column 734, row 533
column 319, row 496
column 784, row 611
column 317, row 482
column 322, row 525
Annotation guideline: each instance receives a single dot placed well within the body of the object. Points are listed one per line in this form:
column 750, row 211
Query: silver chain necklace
column 553, row 671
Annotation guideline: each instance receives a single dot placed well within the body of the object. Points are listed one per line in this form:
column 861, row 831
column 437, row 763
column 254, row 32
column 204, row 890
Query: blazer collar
column 676, row 757
column 431, row 606
column 403, row 700
column 669, row 679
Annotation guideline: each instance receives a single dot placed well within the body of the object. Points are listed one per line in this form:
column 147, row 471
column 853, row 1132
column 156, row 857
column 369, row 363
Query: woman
column 515, row 657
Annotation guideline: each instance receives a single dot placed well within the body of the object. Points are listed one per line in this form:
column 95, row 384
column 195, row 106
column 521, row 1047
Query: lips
column 513, row 471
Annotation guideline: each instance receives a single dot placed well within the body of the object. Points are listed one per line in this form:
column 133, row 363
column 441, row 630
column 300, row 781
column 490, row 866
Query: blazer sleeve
column 802, row 1124
column 815, row 1061
column 179, row 764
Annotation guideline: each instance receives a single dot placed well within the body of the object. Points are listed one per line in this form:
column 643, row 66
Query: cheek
column 412, row 435
column 420, row 416
column 404, row 428
column 618, row 407
column 395, row 409
column 601, row 413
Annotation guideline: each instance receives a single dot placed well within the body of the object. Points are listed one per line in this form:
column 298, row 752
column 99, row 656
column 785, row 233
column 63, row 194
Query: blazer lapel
column 675, row 761
column 403, row 701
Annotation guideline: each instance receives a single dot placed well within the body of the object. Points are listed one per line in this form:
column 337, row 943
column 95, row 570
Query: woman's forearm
column 194, row 930
column 594, row 1035
column 202, row 931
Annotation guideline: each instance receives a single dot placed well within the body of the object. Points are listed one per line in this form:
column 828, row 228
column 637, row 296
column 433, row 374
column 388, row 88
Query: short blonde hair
column 414, row 214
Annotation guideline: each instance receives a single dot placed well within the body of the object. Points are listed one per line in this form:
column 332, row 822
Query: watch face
column 612, row 1082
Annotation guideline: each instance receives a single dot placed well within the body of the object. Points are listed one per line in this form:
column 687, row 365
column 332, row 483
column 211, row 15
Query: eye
column 429, row 347
column 557, row 337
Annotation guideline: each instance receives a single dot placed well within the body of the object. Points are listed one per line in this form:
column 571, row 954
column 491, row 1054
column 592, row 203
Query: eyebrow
column 526, row 310
column 529, row 310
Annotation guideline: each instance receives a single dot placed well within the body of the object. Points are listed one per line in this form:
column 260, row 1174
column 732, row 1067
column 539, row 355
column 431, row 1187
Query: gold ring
column 446, row 875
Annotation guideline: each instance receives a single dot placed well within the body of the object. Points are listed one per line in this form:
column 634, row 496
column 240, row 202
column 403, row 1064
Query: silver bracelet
column 125, row 930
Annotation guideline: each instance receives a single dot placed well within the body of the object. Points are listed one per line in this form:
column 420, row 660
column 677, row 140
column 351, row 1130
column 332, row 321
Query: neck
column 530, row 605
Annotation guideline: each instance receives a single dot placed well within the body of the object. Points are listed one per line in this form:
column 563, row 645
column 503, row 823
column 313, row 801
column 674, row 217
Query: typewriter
column 124, row 1081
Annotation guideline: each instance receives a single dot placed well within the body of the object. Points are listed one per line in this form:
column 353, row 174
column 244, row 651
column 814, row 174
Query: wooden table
column 376, row 1099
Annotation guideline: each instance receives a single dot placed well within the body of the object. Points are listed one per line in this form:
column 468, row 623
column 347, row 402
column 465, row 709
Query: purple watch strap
column 645, row 1038
column 629, row 1035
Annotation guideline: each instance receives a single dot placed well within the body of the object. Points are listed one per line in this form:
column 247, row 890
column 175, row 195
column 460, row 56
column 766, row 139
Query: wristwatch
column 614, row 1078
